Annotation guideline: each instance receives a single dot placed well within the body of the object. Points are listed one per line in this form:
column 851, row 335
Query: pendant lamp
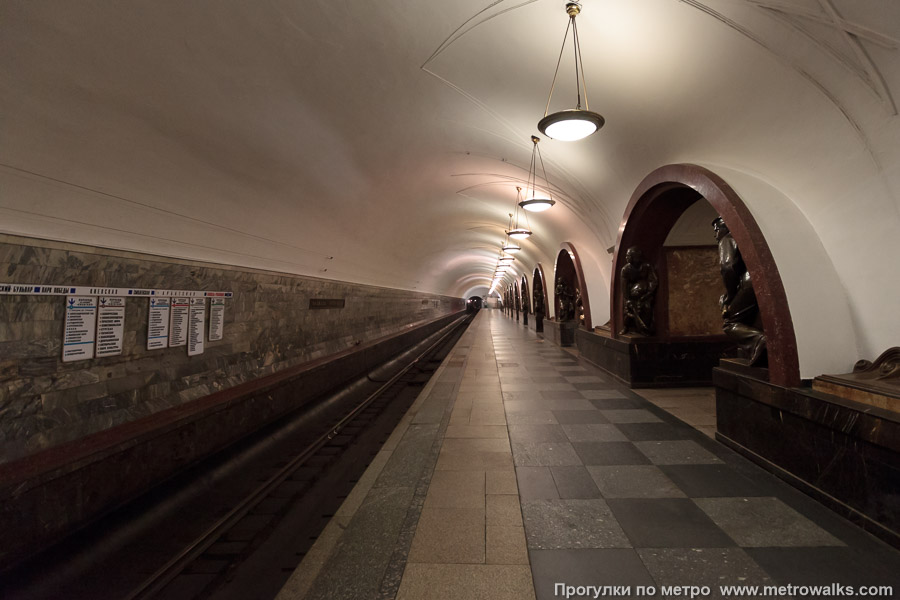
column 537, row 203
column 574, row 123
column 515, row 232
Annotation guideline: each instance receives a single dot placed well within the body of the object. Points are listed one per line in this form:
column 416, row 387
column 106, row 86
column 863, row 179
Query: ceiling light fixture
column 536, row 203
column 574, row 123
column 515, row 232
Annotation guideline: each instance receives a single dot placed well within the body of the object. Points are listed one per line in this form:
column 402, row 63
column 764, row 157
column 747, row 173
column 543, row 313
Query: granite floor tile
column 537, row 417
column 475, row 445
column 562, row 395
column 764, row 522
column 587, row 567
column 634, row 481
column 456, row 489
column 545, row 454
column 532, row 395
column 365, row 547
column 487, row 417
column 667, row 523
column 474, row 461
column 404, row 467
column 466, row 582
column 611, row 403
column 712, row 567
column 536, row 483
column 568, row 417
column 541, row 387
column 460, row 416
column 575, row 523
column 536, row 433
column 513, row 406
column 481, row 387
column 476, row 431
column 642, row 432
column 630, row 415
column 503, row 510
column 677, row 452
column 610, row 394
column 592, row 432
column 500, row 482
column 711, row 481
column 609, row 453
column 584, row 379
column 574, row 482
column 826, row 565
column 505, row 545
column 593, row 386
column 514, row 378
column 548, row 379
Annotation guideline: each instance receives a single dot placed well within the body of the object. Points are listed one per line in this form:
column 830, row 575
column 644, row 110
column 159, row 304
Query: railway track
column 300, row 480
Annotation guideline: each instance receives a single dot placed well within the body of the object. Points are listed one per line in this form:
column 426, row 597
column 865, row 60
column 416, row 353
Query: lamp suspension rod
column 516, row 209
column 558, row 61
column 575, row 51
column 543, row 170
column 579, row 64
column 533, row 170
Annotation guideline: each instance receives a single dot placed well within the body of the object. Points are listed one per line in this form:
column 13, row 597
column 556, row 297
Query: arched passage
column 526, row 301
column 539, row 297
column 568, row 269
column 654, row 208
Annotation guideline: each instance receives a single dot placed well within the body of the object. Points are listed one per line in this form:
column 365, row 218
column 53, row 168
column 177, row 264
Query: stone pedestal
column 560, row 333
column 843, row 453
column 872, row 383
column 643, row 362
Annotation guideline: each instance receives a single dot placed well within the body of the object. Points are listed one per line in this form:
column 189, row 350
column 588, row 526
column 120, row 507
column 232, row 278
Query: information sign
column 216, row 319
column 110, row 326
column 80, row 327
column 158, row 324
column 195, row 326
column 178, row 322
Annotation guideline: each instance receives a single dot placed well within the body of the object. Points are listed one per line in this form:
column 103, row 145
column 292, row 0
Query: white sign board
column 81, row 320
column 178, row 322
column 216, row 319
column 158, row 324
column 29, row 289
column 195, row 326
column 110, row 326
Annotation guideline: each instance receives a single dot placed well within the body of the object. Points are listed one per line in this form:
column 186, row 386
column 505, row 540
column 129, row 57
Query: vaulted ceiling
column 381, row 142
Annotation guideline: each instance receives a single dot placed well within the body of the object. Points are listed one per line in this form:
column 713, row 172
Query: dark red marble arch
column 582, row 285
column 547, row 307
column 652, row 211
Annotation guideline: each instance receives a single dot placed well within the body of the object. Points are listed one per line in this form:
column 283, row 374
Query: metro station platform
column 521, row 472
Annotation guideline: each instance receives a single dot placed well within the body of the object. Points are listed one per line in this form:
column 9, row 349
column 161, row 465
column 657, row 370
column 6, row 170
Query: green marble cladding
column 268, row 327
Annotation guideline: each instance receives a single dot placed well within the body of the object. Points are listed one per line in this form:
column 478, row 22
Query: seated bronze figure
column 740, row 310
column 639, row 283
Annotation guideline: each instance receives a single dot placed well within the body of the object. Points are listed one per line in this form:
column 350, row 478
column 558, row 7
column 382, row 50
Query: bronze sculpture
column 740, row 309
column 639, row 283
column 565, row 301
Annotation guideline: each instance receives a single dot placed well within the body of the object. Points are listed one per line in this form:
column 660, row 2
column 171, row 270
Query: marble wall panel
column 694, row 286
column 268, row 327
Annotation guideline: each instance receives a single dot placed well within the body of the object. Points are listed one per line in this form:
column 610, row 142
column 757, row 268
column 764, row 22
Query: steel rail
column 165, row 574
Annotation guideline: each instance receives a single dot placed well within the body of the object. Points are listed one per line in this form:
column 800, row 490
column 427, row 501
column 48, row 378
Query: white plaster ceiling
column 380, row 142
